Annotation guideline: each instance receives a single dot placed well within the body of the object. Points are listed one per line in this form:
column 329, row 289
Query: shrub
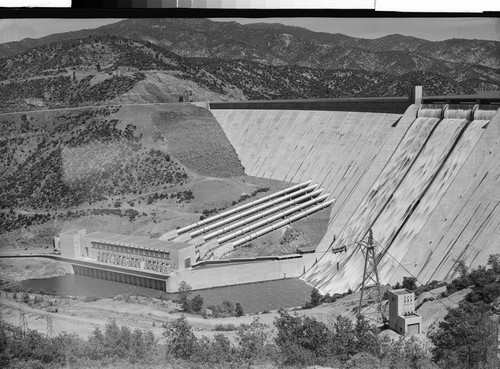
column 301, row 339
column 410, row 283
column 466, row 337
column 197, row 303
column 180, row 339
column 225, row 327
column 251, row 339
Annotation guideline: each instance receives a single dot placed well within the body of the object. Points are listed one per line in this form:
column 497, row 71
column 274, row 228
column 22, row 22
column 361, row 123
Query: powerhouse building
column 131, row 252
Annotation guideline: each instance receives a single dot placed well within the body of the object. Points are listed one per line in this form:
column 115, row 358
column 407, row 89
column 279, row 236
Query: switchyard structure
column 402, row 316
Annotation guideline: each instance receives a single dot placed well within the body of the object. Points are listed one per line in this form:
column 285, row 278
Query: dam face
column 428, row 185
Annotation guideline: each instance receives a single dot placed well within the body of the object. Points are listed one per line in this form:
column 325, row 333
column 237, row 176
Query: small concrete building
column 402, row 316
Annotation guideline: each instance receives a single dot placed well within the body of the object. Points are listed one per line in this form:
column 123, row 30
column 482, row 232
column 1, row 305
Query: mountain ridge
column 235, row 32
column 157, row 60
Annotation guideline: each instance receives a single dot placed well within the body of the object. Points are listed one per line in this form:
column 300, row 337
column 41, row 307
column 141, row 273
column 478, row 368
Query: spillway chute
column 431, row 111
column 484, row 113
column 458, row 112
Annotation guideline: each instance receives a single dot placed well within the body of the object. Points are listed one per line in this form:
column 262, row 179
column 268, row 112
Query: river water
column 253, row 297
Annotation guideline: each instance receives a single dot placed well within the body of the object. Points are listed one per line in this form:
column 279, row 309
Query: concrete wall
column 446, row 210
column 343, row 151
column 403, row 322
column 240, row 273
column 180, row 255
column 465, row 224
column 70, row 243
column 395, row 105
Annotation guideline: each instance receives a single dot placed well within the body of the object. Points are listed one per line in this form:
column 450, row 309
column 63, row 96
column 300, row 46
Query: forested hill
column 100, row 70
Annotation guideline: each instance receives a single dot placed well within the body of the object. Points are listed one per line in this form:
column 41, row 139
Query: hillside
column 66, row 158
column 157, row 60
column 92, row 71
column 275, row 43
column 110, row 70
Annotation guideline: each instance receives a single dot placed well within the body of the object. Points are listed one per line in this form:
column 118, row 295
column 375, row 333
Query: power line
column 387, row 252
column 423, row 284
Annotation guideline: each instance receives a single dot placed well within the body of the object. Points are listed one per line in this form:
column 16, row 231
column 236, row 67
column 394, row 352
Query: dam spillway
column 426, row 182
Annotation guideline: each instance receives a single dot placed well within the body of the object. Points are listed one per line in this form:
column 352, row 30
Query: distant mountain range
column 153, row 60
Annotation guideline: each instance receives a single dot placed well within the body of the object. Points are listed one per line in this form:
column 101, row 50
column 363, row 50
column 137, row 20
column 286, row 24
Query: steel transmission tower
column 370, row 276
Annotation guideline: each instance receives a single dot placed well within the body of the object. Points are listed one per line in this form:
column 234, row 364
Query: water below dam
column 253, row 297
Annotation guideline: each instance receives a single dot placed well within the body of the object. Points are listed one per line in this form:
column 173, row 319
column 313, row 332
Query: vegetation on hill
column 60, row 168
column 468, row 335
column 279, row 44
column 198, row 142
column 83, row 72
column 465, row 338
column 300, row 341
column 83, row 158
column 94, row 67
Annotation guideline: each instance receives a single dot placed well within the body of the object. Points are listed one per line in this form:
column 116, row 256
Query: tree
column 112, row 340
column 251, row 339
column 221, row 349
column 344, row 338
column 404, row 354
column 302, row 340
column 481, row 276
column 197, row 303
column 462, row 269
column 95, row 345
column 227, row 308
column 494, row 263
column 366, row 337
column 410, row 283
column 315, row 297
column 180, row 339
column 466, row 338
column 184, row 293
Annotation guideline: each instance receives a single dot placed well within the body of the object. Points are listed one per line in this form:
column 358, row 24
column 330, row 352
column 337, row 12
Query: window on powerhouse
column 132, row 250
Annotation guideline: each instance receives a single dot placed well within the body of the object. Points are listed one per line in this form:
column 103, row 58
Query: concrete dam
column 426, row 182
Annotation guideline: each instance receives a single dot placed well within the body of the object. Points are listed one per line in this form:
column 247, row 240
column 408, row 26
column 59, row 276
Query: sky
column 434, row 29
